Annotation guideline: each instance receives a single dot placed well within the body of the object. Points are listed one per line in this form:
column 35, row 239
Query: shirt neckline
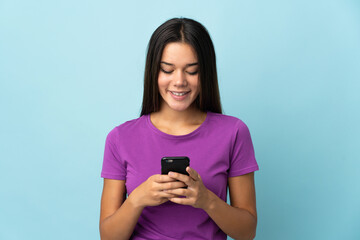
column 170, row 136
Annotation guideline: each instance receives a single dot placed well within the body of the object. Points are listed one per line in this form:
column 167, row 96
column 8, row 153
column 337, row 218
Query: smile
column 179, row 93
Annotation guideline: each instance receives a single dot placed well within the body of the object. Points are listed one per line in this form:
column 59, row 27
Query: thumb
column 193, row 174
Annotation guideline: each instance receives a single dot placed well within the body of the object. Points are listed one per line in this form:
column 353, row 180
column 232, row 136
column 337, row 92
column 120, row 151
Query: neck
column 190, row 116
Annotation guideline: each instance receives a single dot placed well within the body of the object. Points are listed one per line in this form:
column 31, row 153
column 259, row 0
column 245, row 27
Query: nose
column 180, row 79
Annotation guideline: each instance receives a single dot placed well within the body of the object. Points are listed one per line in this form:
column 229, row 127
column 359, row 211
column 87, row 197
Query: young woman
column 181, row 116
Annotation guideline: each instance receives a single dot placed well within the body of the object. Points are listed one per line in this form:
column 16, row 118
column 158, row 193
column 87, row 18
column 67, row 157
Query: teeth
column 179, row 94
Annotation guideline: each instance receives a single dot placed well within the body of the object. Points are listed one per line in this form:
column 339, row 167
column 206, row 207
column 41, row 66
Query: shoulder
column 228, row 121
column 127, row 128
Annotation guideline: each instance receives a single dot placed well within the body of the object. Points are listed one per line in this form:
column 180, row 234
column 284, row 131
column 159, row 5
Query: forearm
column 121, row 224
column 238, row 223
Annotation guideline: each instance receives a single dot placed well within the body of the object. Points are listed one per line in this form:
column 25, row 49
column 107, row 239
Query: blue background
column 72, row 70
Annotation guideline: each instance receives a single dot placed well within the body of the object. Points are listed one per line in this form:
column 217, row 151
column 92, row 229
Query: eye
column 165, row 71
column 193, row 73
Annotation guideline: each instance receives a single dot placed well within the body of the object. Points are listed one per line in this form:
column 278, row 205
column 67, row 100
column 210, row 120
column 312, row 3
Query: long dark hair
column 188, row 31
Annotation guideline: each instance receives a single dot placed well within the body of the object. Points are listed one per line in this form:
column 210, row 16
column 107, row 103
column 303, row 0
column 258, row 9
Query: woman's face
column 178, row 75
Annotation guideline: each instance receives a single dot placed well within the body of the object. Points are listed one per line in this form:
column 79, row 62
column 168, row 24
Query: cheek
column 196, row 83
column 162, row 82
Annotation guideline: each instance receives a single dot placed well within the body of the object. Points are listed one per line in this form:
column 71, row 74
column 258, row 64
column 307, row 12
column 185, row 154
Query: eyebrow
column 187, row 65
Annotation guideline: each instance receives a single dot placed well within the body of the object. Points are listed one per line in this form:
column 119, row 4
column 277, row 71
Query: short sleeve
column 112, row 167
column 242, row 157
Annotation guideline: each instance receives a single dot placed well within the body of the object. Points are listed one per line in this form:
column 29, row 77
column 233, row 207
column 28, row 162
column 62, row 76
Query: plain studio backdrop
column 70, row 71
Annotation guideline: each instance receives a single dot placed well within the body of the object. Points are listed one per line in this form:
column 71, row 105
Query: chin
column 179, row 108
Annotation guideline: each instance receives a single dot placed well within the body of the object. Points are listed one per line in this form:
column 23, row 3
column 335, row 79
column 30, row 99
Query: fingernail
column 171, row 174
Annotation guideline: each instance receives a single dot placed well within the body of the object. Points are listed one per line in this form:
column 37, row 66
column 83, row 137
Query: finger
column 164, row 194
column 181, row 177
column 179, row 192
column 183, row 201
column 163, row 178
column 161, row 186
column 172, row 185
column 193, row 174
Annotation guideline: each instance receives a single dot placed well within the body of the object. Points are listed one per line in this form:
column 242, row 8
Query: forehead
column 179, row 54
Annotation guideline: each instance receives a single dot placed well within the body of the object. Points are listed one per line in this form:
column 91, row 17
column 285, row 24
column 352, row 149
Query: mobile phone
column 175, row 164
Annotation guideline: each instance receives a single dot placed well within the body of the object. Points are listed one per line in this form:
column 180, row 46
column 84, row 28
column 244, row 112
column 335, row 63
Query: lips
column 180, row 92
column 176, row 92
column 179, row 97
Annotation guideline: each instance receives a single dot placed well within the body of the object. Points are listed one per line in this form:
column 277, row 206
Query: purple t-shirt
column 219, row 148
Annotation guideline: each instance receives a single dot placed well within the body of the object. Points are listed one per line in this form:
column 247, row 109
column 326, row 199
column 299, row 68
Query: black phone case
column 175, row 164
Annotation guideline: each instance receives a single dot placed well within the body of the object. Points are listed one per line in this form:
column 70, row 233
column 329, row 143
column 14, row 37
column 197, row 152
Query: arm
column 117, row 217
column 239, row 220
